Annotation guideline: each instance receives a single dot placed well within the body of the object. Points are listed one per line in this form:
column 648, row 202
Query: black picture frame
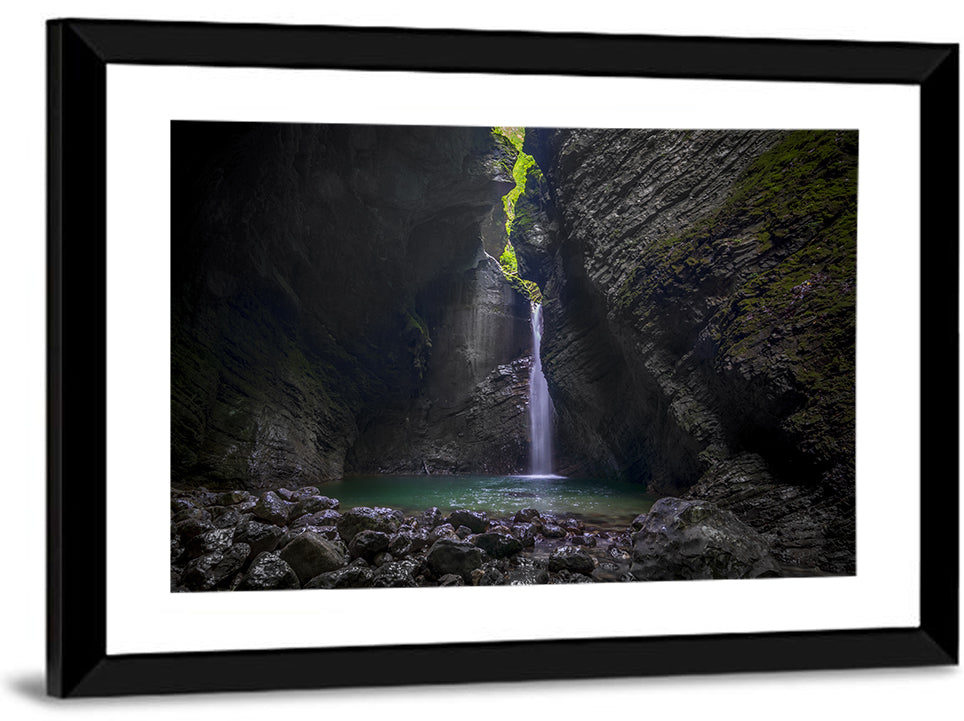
column 78, row 54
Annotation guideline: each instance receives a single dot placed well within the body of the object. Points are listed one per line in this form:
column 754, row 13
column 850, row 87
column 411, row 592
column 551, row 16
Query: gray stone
column 569, row 558
column 453, row 556
column 497, row 545
column 368, row 544
column 363, row 518
column 352, row 576
column 269, row 572
column 273, row 509
column 698, row 540
column 310, row 555
column 477, row 521
column 261, row 537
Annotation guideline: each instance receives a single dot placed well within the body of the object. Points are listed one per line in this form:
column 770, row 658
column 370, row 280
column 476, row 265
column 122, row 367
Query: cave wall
column 470, row 412
column 303, row 258
column 699, row 318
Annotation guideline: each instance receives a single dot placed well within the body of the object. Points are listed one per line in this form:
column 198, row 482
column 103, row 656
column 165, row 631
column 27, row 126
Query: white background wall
column 921, row 693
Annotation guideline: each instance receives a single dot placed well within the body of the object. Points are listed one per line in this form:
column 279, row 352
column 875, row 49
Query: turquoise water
column 597, row 501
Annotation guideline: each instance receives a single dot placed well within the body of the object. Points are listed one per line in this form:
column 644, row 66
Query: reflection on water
column 587, row 498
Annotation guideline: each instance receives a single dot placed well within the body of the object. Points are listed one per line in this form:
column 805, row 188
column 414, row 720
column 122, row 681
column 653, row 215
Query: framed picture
column 567, row 323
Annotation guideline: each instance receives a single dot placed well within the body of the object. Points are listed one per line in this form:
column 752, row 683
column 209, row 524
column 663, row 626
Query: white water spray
column 540, row 405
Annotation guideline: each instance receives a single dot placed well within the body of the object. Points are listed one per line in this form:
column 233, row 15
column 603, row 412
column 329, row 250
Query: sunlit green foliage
column 508, row 261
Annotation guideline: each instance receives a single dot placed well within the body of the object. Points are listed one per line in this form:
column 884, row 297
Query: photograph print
column 420, row 356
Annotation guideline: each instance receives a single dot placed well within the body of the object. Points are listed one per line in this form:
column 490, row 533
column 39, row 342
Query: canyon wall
column 700, row 304
column 307, row 266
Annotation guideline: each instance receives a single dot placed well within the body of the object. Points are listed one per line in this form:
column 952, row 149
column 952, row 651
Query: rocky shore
column 283, row 539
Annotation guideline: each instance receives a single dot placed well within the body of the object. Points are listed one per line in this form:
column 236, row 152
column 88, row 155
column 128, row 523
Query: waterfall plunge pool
column 595, row 501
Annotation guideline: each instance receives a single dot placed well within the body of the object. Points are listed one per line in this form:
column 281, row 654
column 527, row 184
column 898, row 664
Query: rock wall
column 470, row 412
column 699, row 318
column 305, row 263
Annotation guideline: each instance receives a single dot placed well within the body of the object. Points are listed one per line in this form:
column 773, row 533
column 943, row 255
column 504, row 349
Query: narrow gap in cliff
column 508, row 260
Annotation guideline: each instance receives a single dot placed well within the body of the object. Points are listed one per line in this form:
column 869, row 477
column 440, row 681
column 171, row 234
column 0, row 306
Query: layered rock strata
column 700, row 295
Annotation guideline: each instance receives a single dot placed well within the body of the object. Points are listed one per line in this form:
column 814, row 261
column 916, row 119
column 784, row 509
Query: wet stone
column 267, row 572
column 272, row 508
column 498, row 545
column 210, row 542
column 395, row 574
column 229, row 498
column 368, row 544
column 553, row 531
column 313, row 504
column 476, row 521
column 363, row 518
column 445, row 530
column 227, row 518
column 356, row 575
column 431, row 517
column 305, row 492
column 526, row 515
column 261, row 537
column 190, row 528
column 452, row 556
column 310, row 555
column 571, row 559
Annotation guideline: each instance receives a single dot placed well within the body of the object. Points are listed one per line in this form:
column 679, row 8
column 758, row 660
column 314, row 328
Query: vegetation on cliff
column 524, row 165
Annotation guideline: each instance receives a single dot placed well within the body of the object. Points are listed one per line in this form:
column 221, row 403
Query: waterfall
column 540, row 406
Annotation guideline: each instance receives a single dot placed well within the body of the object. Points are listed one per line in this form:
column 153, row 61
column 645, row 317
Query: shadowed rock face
column 470, row 412
column 683, row 540
column 306, row 263
column 700, row 306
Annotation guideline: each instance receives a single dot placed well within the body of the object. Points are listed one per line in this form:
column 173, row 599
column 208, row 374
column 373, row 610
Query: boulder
column 395, row 574
column 261, row 537
column 363, row 518
column 306, row 492
column 526, row 533
column 273, row 508
column 431, row 517
column 191, row 528
column 355, row 575
column 453, row 556
column 477, row 521
column 445, row 530
column 497, row 545
column 320, row 518
column 229, row 498
column 525, row 515
column 212, row 541
column 574, row 560
column 212, row 570
column 227, row 518
column 310, row 555
column 268, row 572
column 368, row 544
column 405, row 542
column 313, row 504
column 696, row 539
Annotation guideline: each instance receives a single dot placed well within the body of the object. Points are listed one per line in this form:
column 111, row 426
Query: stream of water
column 540, row 405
